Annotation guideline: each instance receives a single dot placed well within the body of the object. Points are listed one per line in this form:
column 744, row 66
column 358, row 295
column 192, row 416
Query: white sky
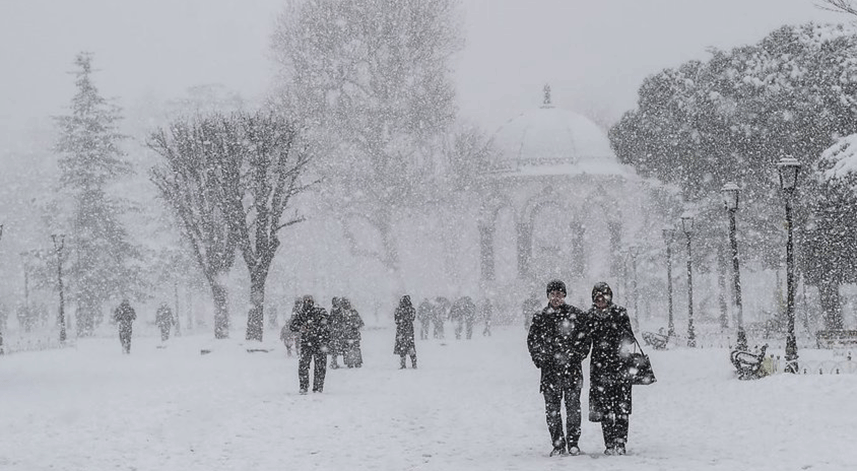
column 594, row 54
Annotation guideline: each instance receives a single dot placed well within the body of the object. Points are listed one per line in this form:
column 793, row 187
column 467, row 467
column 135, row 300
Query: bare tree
column 842, row 6
column 270, row 178
column 191, row 181
column 230, row 181
column 372, row 77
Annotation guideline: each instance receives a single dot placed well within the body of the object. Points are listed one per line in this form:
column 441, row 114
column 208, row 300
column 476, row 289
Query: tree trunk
column 221, row 310
column 831, row 308
column 256, row 317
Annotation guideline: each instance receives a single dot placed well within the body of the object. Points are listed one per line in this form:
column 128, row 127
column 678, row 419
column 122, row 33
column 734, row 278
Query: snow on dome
column 550, row 136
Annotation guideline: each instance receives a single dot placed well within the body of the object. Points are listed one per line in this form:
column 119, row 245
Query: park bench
column 656, row 341
column 748, row 364
column 836, row 338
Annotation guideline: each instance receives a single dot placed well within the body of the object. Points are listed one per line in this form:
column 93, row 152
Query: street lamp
column 669, row 235
column 634, row 251
column 687, row 228
column 730, row 192
column 61, row 316
column 789, row 168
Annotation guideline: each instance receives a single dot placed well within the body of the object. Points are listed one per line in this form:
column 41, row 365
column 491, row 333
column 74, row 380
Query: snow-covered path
column 470, row 406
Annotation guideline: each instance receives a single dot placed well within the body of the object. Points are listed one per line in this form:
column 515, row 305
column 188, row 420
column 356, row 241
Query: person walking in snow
column 313, row 325
column 405, row 345
column 336, row 328
column 487, row 315
column 558, row 342
column 124, row 315
column 165, row 320
column 291, row 339
column 424, row 315
column 609, row 386
column 352, row 355
column 439, row 313
column 456, row 317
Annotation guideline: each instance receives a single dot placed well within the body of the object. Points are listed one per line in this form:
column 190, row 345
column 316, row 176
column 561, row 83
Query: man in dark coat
column 124, row 315
column 352, row 355
column 165, row 320
column 558, row 342
column 424, row 315
column 440, row 311
column 336, row 327
column 609, row 386
column 405, row 345
column 313, row 325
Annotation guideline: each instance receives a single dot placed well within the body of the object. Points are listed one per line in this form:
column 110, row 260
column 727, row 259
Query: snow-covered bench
column 748, row 364
column 656, row 341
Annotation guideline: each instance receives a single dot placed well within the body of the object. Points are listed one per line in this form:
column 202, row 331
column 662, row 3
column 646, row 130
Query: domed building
column 559, row 205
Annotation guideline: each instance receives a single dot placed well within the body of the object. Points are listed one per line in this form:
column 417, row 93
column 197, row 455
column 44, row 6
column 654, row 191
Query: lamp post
column 687, row 228
column 61, row 316
column 730, row 193
column 634, row 251
column 788, row 168
column 669, row 234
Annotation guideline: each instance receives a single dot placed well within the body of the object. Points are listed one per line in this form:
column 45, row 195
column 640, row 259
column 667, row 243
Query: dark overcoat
column 609, row 387
column 313, row 325
column 558, row 342
column 404, row 316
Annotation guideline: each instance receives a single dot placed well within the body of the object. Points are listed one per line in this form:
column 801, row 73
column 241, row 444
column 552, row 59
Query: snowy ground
column 470, row 406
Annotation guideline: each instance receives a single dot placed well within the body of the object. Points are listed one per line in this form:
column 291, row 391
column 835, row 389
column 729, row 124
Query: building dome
column 553, row 138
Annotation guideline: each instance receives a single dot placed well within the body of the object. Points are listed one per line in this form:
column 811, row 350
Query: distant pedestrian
column 487, row 316
column 424, row 315
column 352, row 354
column 124, row 315
column 165, row 321
column 405, row 345
column 313, row 324
column 558, row 342
column 336, row 327
column 439, row 314
column 609, row 385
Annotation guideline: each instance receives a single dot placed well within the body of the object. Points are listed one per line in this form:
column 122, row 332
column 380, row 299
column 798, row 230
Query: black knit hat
column 603, row 289
column 555, row 285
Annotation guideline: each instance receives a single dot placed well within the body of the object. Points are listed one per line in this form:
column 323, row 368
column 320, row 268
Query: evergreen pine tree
column 90, row 160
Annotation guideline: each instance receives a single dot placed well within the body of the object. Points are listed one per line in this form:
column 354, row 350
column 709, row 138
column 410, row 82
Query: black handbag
column 639, row 367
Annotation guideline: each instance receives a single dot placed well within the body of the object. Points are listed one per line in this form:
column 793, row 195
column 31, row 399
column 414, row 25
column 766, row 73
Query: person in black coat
column 352, row 354
column 609, row 386
column 336, row 327
column 558, row 342
column 425, row 313
column 124, row 315
column 313, row 325
column 405, row 345
column 165, row 320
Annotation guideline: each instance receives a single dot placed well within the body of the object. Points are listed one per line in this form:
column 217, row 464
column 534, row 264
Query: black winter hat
column 555, row 285
column 602, row 288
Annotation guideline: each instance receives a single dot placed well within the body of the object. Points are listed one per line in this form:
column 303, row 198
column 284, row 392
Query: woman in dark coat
column 405, row 346
column 124, row 315
column 609, row 386
column 352, row 355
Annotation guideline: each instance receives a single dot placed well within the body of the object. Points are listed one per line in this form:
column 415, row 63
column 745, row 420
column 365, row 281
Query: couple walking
column 560, row 338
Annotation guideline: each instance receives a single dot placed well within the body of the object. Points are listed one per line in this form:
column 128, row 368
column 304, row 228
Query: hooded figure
column 405, row 346
column 558, row 342
column 609, row 386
